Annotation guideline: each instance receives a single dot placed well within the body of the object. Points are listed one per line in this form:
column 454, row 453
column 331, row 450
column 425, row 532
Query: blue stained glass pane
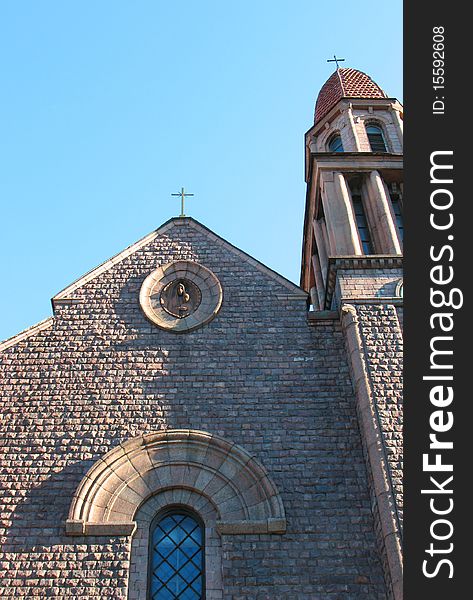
column 188, row 524
column 188, row 595
column 189, row 572
column 177, row 559
column 165, row 572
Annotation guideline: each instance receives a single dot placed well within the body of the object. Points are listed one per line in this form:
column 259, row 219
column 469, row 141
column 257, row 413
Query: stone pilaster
column 341, row 226
column 371, row 428
column 381, row 219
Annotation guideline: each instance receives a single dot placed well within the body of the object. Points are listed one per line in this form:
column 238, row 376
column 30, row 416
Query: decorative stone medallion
column 181, row 296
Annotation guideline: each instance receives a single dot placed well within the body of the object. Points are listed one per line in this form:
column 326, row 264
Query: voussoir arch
column 238, row 486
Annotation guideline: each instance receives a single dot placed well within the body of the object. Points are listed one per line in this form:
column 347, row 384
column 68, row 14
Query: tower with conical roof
column 353, row 170
column 352, row 269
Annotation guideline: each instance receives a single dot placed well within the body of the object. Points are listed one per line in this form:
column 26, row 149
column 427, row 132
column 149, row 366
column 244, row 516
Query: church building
column 189, row 424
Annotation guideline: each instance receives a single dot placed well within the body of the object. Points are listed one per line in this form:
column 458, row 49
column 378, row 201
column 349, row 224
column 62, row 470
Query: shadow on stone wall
column 38, row 520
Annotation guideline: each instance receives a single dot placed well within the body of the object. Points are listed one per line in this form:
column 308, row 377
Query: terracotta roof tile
column 345, row 83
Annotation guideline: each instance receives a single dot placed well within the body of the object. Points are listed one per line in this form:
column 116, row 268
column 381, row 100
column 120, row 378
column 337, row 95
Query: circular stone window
column 181, row 296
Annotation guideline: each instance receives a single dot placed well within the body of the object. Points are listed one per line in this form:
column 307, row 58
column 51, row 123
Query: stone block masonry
column 259, row 375
column 382, row 340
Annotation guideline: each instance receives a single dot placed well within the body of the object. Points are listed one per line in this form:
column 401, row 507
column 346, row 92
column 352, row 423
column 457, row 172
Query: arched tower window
column 176, row 562
column 376, row 138
column 335, row 143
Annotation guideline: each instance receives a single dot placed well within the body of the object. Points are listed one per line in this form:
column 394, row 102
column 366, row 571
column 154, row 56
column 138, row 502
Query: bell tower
column 352, row 270
column 353, row 171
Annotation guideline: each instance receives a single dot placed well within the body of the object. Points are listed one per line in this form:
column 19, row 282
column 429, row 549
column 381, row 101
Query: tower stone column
column 382, row 222
column 341, row 225
column 321, row 240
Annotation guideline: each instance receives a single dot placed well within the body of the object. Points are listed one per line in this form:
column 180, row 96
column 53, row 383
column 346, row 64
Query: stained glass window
column 177, row 558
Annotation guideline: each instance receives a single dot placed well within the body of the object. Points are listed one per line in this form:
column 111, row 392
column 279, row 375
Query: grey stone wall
column 372, row 283
column 258, row 374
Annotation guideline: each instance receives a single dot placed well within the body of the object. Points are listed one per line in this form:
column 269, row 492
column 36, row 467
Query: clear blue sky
column 108, row 107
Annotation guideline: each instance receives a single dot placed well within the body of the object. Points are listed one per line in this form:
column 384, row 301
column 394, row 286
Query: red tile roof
column 345, row 83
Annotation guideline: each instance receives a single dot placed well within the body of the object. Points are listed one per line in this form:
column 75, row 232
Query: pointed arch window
column 335, row 143
column 176, row 562
column 376, row 138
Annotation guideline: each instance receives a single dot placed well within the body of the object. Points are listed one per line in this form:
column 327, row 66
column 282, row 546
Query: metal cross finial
column 183, row 195
column 335, row 60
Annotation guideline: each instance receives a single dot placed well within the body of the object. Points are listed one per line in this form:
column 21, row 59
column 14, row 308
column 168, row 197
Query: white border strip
column 26, row 333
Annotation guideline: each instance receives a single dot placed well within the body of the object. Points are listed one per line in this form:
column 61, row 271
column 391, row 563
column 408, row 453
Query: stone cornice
column 372, row 261
column 395, row 300
column 357, row 161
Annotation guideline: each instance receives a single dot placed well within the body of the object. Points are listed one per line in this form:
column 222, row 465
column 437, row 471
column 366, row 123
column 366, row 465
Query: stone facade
column 259, row 375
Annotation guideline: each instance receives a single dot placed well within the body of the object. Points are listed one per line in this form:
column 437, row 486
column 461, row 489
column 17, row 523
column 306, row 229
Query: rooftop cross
column 335, row 60
column 183, row 195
